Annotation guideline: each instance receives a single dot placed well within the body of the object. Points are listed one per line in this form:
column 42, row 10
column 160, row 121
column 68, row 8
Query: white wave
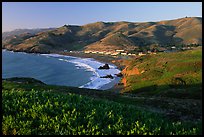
column 58, row 55
column 96, row 83
column 52, row 55
column 91, row 65
column 63, row 60
column 85, row 66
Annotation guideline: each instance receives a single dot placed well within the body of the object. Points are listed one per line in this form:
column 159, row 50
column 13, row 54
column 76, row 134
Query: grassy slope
column 112, row 42
column 99, row 35
column 58, row 110
column 176, row 74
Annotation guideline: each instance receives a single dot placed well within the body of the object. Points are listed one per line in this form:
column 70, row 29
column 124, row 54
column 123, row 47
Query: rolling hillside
column 112, row 42
column 176, row 75
column 110, row 35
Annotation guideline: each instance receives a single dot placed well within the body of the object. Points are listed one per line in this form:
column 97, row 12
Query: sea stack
column 106, row 66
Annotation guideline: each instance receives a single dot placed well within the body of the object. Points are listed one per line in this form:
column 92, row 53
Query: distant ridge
column 21, row 31
column 106, row 36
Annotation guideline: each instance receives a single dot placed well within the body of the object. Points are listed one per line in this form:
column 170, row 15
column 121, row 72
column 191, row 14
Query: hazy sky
column 19, row 15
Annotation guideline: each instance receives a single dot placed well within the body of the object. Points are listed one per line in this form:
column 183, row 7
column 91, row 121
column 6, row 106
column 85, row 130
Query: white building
column 123, row 53
column 120, row 50
column 87, row 51
column 141, row 54
column 107, row 53
column 101, row 52
column 115, row 53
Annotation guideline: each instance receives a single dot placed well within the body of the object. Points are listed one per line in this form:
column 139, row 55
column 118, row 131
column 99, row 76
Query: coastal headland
column 160, row 91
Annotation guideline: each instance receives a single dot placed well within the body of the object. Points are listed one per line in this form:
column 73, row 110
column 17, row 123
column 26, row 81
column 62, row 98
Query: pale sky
column 21, row 15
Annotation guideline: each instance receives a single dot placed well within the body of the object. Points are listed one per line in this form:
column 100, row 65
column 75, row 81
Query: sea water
column 58, row 69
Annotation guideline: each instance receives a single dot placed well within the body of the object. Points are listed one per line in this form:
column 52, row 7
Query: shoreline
column 109, row 83
column 115, row 87
column 101, row 58
column 88, row 63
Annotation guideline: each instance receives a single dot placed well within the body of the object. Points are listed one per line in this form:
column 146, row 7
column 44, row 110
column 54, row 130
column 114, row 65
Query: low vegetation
column 52, row 112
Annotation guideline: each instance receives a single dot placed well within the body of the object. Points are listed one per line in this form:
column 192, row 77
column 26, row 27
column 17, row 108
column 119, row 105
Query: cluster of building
column 128, row 53
column 118, row 52
column 113, row 53
column 174, row 49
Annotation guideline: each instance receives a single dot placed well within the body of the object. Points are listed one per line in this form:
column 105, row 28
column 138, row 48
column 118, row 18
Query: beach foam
column 57, row 56
column 90, row 65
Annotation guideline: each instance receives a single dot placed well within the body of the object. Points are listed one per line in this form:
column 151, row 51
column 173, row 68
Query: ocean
column 58, row 69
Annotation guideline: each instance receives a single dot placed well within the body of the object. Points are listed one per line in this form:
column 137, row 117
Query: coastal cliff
column 128, row 72
column 165, row 74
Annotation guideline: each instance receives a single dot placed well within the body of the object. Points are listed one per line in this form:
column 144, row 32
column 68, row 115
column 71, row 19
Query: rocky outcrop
column 119, row 74
column 106, row 66
column 107, row 76
column 124, row 81
column 128, row 72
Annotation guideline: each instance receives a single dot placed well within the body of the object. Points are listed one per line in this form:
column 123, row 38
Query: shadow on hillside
column 166, row 34
column 193, row 91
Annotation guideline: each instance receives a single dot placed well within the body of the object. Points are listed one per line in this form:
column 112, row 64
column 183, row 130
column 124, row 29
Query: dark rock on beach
column 107, row 76
column 106, row 66
column 119, row 74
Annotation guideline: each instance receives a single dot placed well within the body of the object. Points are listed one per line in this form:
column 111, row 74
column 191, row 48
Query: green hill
column 176, row 74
